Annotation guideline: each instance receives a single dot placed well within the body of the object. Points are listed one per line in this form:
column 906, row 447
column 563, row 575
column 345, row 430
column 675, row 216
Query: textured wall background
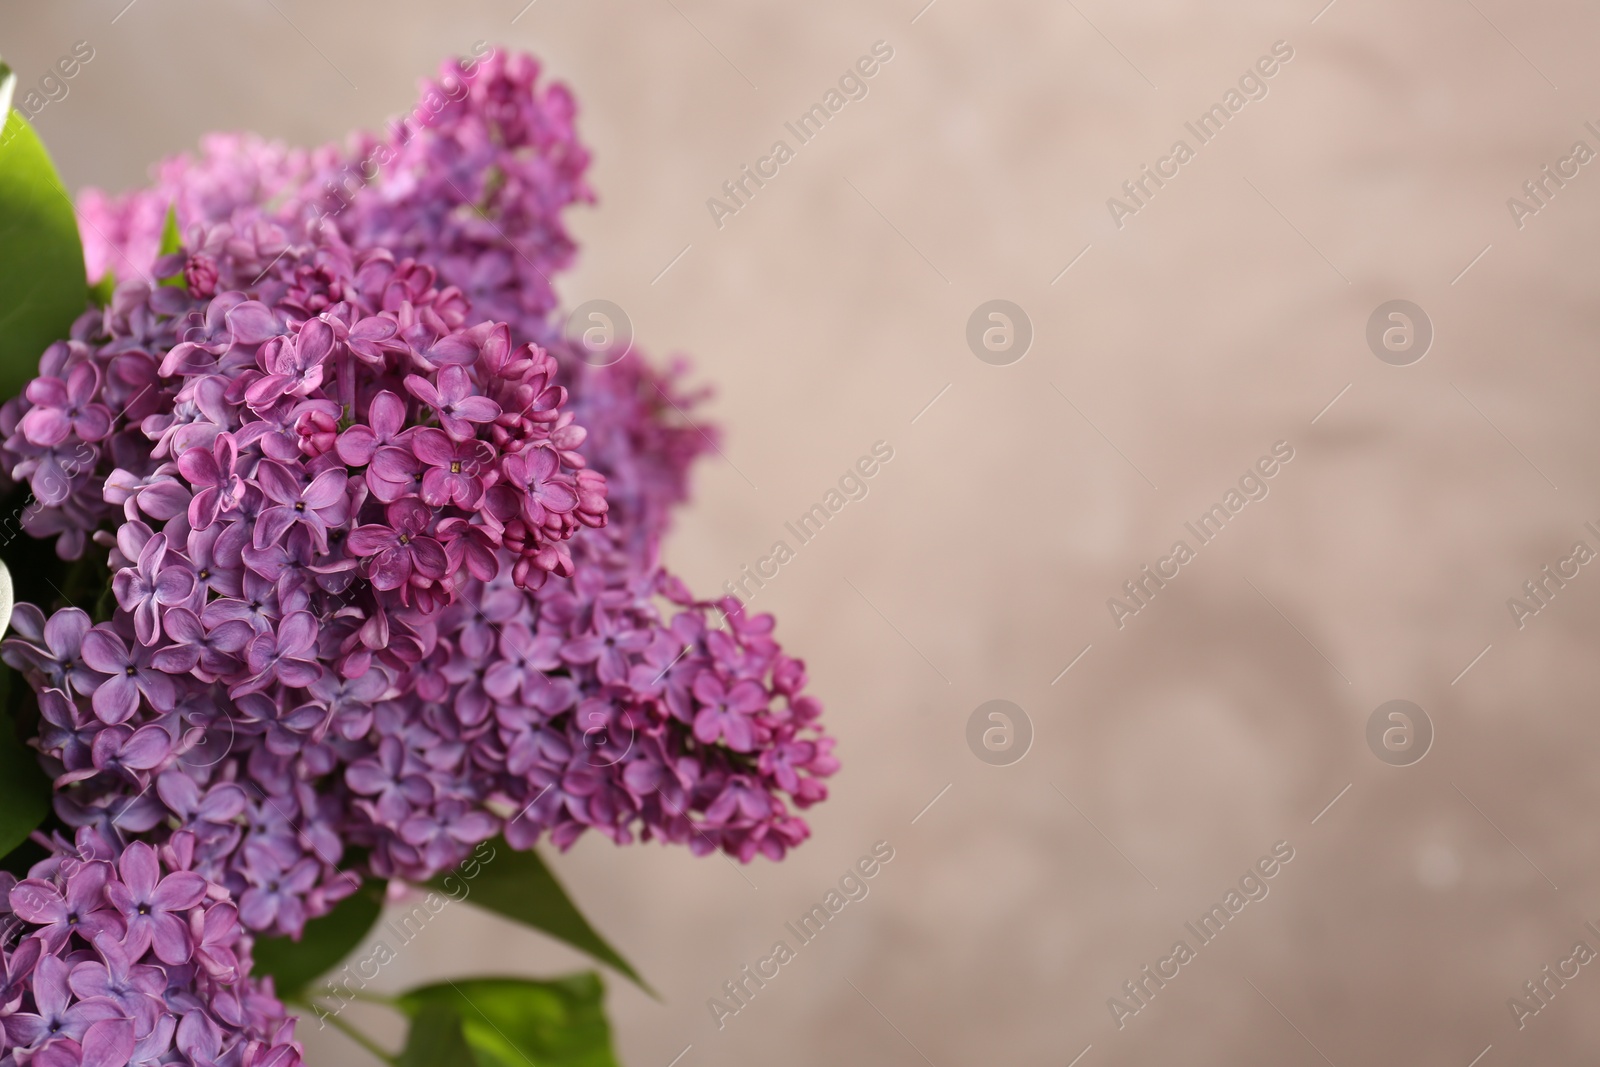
column 1221, row 318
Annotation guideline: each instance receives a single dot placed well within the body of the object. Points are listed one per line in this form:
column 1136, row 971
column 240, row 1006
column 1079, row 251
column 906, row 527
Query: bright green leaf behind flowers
column 515, row 1022
column 42, row 283
column 172, row 241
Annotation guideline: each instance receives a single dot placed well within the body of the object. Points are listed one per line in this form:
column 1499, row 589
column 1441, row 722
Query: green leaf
column 42, row 283
column 519, row 886
column 514, row 1022
column 172, row 241
column 24, row 789
column 326, row 940
column 100, row 292
column 436, row 1039
column 171, row 236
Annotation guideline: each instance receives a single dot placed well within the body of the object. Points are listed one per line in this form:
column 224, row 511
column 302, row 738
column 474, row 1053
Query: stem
column 349, row 1031
column 347, row 390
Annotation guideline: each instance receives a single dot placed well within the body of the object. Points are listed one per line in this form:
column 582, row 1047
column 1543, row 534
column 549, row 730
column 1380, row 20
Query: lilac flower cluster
column 472, row 181
column 127, row 957
column 369, row 608
column 381, row 588
column 474, row 187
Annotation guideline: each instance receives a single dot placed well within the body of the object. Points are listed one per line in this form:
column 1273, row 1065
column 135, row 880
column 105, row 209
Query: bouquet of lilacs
column 348, row 581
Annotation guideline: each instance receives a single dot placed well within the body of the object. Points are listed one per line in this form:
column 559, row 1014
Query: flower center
column 455, row 466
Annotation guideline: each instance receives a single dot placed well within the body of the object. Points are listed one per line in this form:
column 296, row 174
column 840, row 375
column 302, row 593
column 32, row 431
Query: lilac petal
column 298, row 674
column 429, row 557
column 82, row 383
column 502, row 680
column 474, row 826
column 370, row 540
column 186, row 357
column 178, row 791
column 278, row 482
column 433, row 447
column 26, row 1028
column 174, row 585
column 169, row 937
column 387, row 414
column 179, row 891
column 65, row 629
column 164, row 499
column 252, row 323
column 116, row 700
column 108, row 1043
column 304, row 719
column 747, row 696
column 222, row 804
column 736, row 728
column 47, row 391
column 314, row 343
column 264, row 391
column 584, row 649
column 140, row 870
column 231, row 635
column 37, row 901
column 390, row 569
column 365, row 777
column 183, row 626
column 85, row 887
column 439, row 486
column 387, row 491
column 147, row 748
column 373, row 329
column 297, row 632
column 200, row 467
column 157, row 688
column 452, row 349
column 93, row 423
column 408, row 516
column 326, row 489
column 356, row 445
column 178, row 658
column 706, row 728
column 272, row 524
column 423, row 390
column 394, row 464
column 203, row 509
column 257, row 910
column 477, row 409
column 46, row 426
column 558, row 497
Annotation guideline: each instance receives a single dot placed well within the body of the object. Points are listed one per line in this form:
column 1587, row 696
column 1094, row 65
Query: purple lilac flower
column 130, row 675
column 94, row 952
column 364, row 485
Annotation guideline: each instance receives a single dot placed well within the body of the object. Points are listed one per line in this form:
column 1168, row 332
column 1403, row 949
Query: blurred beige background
column 1222, row 318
